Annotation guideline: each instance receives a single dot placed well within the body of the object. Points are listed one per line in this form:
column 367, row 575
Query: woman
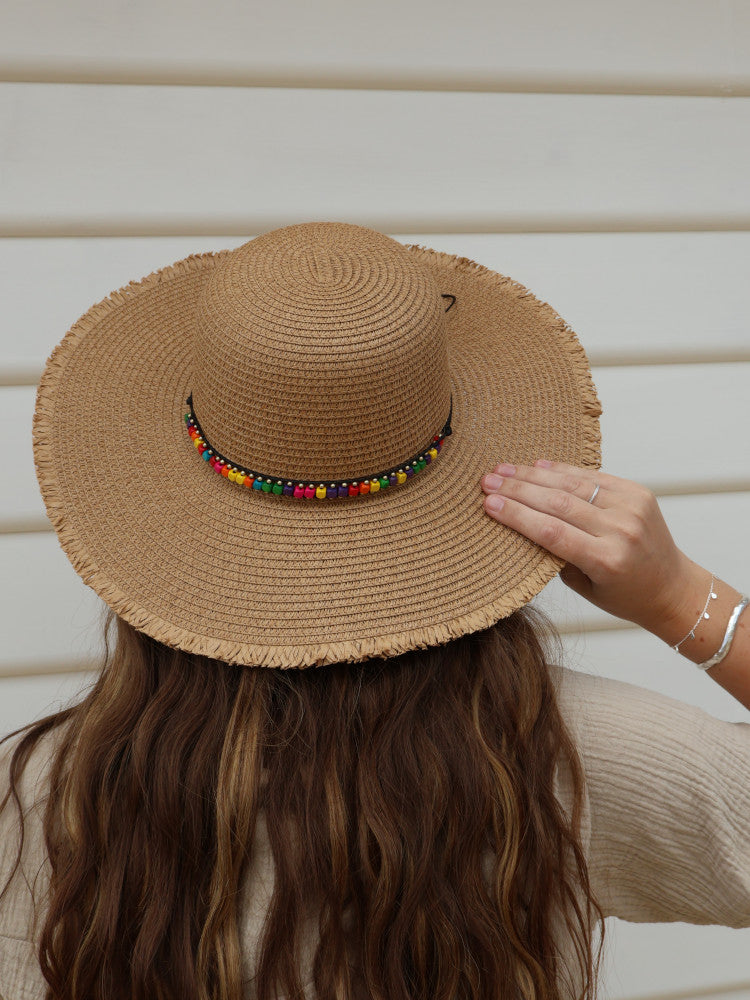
column 332, row 751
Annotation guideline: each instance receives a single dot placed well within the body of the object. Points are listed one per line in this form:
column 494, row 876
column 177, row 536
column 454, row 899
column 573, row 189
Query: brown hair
column 410, row 799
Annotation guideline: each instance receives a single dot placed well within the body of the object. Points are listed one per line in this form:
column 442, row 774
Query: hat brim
column 249, row 578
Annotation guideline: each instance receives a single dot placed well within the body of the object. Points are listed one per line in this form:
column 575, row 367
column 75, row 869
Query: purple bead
column 393, row 479
column 427, row 457
column 343, row 491
column 331, row 492
column 289, row 490
column 409, row 471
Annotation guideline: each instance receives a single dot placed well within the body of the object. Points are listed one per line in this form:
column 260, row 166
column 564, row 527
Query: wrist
column 680, row 609
column 693, row 619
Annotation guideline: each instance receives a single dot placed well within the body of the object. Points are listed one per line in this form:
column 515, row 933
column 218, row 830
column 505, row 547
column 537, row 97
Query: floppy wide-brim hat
column 272, row 455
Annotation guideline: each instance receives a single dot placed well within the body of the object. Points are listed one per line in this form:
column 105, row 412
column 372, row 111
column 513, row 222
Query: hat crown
column 320, row 352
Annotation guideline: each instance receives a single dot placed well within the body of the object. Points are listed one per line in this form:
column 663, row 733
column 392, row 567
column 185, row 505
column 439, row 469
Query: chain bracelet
column 703, row 614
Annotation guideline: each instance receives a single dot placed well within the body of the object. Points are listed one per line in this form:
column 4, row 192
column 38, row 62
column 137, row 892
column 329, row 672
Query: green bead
column 278, row 488
column 187, row 418
column 422, row 463
column 266, row 487
column 384, row 483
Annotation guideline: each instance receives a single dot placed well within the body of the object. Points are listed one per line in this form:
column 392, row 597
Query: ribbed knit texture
column 667, row 821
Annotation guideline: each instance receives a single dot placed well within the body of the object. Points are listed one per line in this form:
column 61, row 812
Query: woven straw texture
column 318, row 351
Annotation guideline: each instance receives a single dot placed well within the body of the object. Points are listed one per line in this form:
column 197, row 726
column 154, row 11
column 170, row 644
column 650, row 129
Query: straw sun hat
column 272, row 455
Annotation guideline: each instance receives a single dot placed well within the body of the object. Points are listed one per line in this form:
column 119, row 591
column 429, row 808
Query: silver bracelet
column 728, row 636
column 703, row 614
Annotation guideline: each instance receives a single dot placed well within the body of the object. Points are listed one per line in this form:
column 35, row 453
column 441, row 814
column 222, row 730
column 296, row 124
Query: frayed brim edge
column 291, row 656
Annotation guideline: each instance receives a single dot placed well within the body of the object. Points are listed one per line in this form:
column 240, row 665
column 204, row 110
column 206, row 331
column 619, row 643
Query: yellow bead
column 433, row 453
column 231, row 475
column 320, row 493
column 401, row 477
column 239, row 478
column 197, row 442
column 374, row 485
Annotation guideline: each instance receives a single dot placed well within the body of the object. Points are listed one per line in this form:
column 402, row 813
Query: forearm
column 733, row 672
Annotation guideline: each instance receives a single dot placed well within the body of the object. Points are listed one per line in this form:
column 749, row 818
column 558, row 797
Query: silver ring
column 593, row 495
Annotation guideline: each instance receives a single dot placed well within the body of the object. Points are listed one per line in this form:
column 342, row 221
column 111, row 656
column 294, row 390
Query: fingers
column 568, row 502
column 550, row 505
column 563, row 539
column 575, row 483
column 550, row 473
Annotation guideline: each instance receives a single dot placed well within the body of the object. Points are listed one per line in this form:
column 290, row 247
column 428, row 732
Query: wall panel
column 394, row 160
column 676, row 45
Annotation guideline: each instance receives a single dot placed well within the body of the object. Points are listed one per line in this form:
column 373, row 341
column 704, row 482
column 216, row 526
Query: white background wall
column 595, row 152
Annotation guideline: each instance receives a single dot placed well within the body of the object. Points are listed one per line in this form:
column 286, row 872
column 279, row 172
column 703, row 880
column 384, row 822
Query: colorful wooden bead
column 309, row 491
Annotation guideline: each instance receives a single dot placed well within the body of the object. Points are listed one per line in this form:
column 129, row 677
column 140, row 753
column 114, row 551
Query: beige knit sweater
column 666, row 821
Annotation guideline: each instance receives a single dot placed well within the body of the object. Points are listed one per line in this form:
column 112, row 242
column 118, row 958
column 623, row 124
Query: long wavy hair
column 409, row 799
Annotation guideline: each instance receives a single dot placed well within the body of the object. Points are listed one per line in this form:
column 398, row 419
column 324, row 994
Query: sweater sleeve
column 668, row 790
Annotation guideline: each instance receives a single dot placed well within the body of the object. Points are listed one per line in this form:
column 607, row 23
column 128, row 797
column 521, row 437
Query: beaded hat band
column 301, row 489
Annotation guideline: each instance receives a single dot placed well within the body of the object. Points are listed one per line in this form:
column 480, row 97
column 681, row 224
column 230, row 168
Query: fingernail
column 493, row 482
column 543, row 463
column 506, row 470
column 495, row 503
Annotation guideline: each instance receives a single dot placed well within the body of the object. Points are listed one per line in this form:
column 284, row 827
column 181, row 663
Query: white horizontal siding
column 680, row 45
column 172, row 160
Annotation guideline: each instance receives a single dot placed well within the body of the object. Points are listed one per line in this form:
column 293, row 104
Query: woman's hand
column 619, row 552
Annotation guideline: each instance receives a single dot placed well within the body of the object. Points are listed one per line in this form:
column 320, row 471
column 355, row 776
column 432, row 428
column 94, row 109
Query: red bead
column 353, row 489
